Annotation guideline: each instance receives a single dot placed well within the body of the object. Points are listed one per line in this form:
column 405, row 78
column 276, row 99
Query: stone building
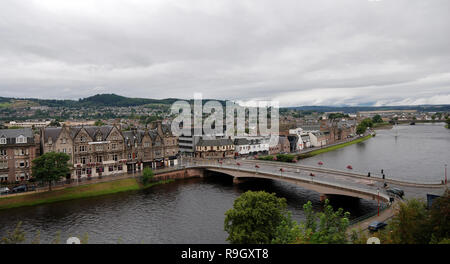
column 214, row 148
column 18, row 148
column 97, row 151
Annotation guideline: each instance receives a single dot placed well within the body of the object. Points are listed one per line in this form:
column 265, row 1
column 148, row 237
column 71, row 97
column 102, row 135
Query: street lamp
column 378, row 200
column 445, row 174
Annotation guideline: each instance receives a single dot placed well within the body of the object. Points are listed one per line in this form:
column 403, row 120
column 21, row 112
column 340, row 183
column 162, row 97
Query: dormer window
column 21, row 139
column 2, row 140
column 99, row 137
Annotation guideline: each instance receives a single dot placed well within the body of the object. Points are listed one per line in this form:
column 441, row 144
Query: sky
column 298, row 52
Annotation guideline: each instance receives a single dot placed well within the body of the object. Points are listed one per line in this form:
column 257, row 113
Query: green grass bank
column 77, row 192
column 331, row 148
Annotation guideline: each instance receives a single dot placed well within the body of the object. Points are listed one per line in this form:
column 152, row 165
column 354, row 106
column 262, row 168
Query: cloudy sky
column 300, row 52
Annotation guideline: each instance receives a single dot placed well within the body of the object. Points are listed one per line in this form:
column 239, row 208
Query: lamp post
column 378, row 200
column 445, row 174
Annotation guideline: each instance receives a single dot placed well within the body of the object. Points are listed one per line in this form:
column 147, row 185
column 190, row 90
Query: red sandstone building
column 18, row 148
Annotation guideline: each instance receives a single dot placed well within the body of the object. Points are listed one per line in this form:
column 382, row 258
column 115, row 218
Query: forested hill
column 112, row 100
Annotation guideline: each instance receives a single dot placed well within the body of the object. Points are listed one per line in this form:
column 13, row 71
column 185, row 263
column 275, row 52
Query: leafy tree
column 440, row 218
column 410, row 224
column 51, row 167
column 327, row 227
column 367, row 122
column 377, row 119
column 256, row 218
column 54, row 123
column 147, row 175
column 99, row 123
column 361, row 129
column 15, row 237
column 287, row 232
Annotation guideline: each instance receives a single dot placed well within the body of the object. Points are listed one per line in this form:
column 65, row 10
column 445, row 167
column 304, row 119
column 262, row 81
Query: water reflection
column 186, row 211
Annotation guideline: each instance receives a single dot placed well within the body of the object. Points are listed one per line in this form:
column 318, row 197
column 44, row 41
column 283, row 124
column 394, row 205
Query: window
column 99, row 158
column 83, row 160
column 2, row 140
column 99, row 137
column 98, row 148
column 82, row 148
column 3, row 164
column 114, row 157
column 114, row 146
column 3, row 177
column 2, row 152
column 21, row 139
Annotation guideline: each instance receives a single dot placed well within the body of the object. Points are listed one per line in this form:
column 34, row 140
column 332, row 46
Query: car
column 375, row 226
column 4, row 190
column 396, row 191
column 20, row 188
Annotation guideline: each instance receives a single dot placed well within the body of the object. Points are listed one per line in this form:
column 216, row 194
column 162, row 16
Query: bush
column 147, row 176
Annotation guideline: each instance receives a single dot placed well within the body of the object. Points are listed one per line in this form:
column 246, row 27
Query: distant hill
column 114, row 100
column 353, row 109
column 98, row 100
column 117, row 100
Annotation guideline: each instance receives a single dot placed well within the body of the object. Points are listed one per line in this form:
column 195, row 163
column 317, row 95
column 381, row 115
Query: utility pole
column 378, row 200
column 445, row 174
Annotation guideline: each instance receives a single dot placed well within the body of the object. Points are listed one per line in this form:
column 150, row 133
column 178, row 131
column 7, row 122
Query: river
column 410, row 153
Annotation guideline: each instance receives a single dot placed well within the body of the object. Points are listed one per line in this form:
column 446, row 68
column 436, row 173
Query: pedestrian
column 384, row 176
column 382, row 171
column 368, row 174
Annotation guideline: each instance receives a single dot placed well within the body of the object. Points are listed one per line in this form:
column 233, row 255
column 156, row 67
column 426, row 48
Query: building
column 28, row 124
column 318, row 139
column 18, row 148
column 214, row 148
column 283, row 146
column 241, row 147
column 98, row 151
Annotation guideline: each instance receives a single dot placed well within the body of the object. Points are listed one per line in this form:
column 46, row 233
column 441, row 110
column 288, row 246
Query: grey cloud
column 327, row 51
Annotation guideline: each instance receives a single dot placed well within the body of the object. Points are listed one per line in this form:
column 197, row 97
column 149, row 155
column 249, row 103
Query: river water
column 410, row 153
column 192, row 211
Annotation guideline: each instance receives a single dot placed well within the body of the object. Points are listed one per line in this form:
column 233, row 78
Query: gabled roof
column 12, row 134
column 214, row 142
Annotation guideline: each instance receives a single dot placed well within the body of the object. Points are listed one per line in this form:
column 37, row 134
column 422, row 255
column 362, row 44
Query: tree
column 15, row 237
column 256, row 218
column 99, row 123
column 147, row 175
column 55, row 123
column 51, row 167
column 410, row 224
column 327, row 227
column 367, row 122
column 440, row 218
column 361, row 129
column 377, row 119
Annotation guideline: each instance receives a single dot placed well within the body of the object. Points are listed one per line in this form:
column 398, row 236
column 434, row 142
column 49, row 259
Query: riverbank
column 384, row 125
column 77, row 192
column 331, row 148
